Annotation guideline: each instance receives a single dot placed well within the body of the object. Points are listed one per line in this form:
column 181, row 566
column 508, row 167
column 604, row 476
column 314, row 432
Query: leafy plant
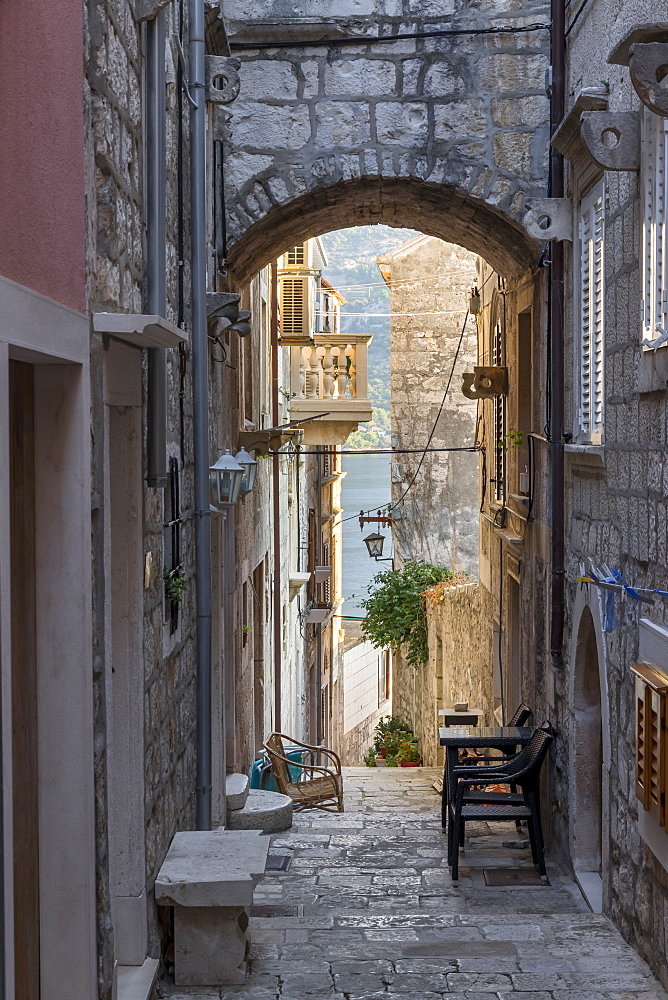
column 175, row 584
column 370, row 758
column 396, row 608
column 389, row 734
column 409, row 752
column 513, row 439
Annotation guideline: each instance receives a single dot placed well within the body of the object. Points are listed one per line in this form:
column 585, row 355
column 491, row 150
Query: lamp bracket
column 549, row 219
column 271, row 439
column 624, row 126
column 222, row 68
column 648, row 65
column 485, row 382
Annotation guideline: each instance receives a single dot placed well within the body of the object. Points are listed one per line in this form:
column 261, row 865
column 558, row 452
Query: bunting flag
column 610, row 580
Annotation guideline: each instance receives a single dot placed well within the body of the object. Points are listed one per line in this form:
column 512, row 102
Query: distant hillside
column 353, row 271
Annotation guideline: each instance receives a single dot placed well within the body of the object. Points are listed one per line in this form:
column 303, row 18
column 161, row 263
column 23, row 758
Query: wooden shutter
column 654, row 263
column 295, row 311
column 651, row 739
column 592, row 222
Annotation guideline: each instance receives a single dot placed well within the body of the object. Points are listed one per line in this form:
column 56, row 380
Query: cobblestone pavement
column 367, row 910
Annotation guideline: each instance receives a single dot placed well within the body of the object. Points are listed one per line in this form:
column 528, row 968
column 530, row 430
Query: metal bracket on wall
column 222, row 68
column 648, row 65
column 485, row 382
column 612, row 138
column 549, row 219
column 146, row 10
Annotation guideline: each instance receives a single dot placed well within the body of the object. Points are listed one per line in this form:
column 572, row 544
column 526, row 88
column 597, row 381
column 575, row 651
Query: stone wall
column 437, row 519
column 616, row 514
column 363, row 699
column 463, row 120
column 459, row 666
column 116, row 281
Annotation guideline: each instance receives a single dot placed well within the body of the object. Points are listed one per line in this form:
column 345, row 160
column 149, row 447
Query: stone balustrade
column 335, row 367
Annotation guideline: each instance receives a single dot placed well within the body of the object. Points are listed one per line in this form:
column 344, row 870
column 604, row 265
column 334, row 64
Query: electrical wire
column 431, row 433
column 385, row 39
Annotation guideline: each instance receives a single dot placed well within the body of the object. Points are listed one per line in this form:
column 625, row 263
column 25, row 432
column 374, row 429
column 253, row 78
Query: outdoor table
column 461, row 717
column 456, row 738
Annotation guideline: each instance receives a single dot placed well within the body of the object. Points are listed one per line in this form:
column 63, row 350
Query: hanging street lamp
column 225, row 478
column 374, row 544
column 249, row 466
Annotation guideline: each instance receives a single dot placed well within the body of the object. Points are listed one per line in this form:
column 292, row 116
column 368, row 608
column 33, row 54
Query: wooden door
column 24, row 681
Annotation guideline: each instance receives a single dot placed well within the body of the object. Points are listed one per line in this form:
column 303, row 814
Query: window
column 654, row 305
column 172, row 539
column 384, row 675
column 295, row 256
column 592, row 214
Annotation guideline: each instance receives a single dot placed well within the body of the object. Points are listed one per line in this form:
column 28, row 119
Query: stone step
column 269, row 812
column 237, row 787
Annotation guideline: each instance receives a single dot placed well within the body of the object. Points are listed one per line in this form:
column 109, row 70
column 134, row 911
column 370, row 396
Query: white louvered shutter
column 592, row 226
column 654, row 307
column 294, row 308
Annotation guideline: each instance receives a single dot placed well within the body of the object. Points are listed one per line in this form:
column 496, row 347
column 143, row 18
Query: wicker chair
column 522, row 770
column 323, row 786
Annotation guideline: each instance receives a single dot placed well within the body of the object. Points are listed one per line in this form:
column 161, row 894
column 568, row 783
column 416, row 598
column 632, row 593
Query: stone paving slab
column 382, row 919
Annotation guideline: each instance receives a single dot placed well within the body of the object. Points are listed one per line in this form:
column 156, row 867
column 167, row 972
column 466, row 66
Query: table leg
column 444, row 794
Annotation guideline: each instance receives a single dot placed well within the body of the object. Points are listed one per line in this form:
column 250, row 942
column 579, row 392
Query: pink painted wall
column 42, row 189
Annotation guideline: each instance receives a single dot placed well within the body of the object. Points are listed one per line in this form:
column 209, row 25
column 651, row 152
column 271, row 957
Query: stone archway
column 436, row 210
column 432, row 122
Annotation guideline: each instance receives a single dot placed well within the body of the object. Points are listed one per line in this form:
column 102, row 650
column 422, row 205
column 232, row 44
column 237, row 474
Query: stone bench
column 209, row 878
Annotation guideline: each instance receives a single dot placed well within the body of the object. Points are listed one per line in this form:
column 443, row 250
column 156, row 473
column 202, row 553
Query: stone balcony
column 330, row 378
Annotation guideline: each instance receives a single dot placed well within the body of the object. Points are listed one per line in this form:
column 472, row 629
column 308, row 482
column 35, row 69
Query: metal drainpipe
column 318, row 648
column 276, row 482
column 557, row 104
column 228, row 635
column 200, row 409
column 156, row 211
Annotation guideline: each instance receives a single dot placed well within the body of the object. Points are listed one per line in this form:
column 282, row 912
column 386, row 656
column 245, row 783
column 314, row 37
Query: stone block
column 210, row 945
column 272, row 78
column 236, row 790
column 512, row 151
column 460, row 118
column 441, row 80
column 211, row 868
column 342, row 123
column 402, row 123
column 521, row 72
column 360, row 77
column 270, row 812
column 262, row 126
column 510, row 112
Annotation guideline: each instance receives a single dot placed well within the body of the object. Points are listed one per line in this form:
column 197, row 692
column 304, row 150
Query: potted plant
column 409, row 754
column 370, row 758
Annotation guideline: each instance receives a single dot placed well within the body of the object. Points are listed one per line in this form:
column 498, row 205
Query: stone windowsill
column 588, row 456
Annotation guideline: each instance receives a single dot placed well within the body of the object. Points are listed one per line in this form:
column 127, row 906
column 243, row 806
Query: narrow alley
column 367, row 909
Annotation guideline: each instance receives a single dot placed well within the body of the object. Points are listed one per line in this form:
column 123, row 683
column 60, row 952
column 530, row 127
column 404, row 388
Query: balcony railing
column 329, row 379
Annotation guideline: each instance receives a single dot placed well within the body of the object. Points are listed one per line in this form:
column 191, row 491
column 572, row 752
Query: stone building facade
column 435, row 512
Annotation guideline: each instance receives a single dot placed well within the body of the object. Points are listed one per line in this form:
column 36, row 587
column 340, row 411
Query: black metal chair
column 522, row 770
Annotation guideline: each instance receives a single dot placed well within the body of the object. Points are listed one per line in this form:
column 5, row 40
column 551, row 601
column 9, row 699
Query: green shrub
column 396, row 611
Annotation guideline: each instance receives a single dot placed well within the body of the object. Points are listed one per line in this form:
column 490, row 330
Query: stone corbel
column 485, row 382
column 612, row 138
column 648, row 65
column 222, row 68
column 223, row 313
column 146, row 10
column 549, row 219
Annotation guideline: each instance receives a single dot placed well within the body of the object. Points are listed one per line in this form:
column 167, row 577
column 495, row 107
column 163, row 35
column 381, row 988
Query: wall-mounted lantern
column 249, row 466
column 225, row 478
